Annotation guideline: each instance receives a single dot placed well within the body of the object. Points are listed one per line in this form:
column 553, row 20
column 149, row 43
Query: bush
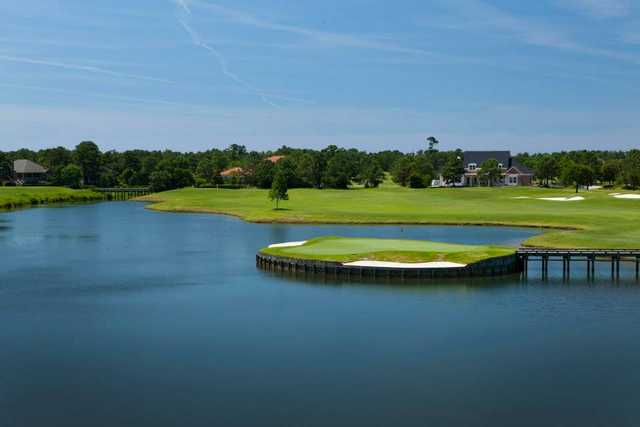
column 416, row 181
column 71, row 176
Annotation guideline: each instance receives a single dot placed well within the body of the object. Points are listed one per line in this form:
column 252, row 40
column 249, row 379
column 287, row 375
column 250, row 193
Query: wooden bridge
column 123, row 193
column 590, row 256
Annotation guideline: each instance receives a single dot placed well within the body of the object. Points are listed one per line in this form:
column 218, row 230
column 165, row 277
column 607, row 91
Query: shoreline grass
column 341, row 249
column 21, row 197
column 599, row 221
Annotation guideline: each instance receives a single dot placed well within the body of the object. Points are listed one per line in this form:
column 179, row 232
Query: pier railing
column 123, row 193
column 569, row 256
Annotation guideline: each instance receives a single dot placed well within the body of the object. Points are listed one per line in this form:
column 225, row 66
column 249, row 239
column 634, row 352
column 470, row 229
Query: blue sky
column 197, row 74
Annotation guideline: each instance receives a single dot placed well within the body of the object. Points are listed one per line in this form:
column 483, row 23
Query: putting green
column 342, row 249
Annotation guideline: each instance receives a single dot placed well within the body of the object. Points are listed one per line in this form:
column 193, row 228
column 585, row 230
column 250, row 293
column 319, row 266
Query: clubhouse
column 513, row 172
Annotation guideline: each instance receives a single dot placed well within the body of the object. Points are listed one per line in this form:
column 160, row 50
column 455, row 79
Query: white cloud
column 476, row 15
column 328, row 38
column 79, row 67
column 600, row 8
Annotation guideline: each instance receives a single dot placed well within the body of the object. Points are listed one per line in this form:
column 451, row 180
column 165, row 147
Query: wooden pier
column 123, row 193
column 569, row 256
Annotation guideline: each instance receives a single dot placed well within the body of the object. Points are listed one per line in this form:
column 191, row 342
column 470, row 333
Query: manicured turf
column 599, row 221
column 342, row 249
column 15, row 197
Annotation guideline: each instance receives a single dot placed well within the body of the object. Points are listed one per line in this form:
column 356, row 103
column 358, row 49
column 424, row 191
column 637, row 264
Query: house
column 513, row 172
column 232, row 172
column 275, row 159
column 239, row 173
column 28, row 172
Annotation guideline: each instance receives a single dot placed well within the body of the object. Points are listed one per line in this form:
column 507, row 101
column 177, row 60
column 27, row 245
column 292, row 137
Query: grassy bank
column 340, row 249
column 17, row 197
column 599, row 221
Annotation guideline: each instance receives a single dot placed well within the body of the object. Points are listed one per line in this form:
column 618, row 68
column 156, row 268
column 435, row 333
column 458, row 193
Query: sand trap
column 521, row 197
column 562, row 199
column 613, row 194
column 627, row 196
column 287, row 244
column 404, row 264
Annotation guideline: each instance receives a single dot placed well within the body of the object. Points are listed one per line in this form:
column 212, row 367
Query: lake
column 113, row 315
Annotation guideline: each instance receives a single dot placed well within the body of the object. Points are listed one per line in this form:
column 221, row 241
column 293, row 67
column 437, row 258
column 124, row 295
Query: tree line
column 332, row 167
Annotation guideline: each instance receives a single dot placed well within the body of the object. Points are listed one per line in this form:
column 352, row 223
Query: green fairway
column 599, row 221
column 342, row 249
column 15, row 197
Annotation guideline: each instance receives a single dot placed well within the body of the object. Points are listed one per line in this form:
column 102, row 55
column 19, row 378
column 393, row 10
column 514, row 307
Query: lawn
column 599, row 221
column 342, row 249
column 15, row 197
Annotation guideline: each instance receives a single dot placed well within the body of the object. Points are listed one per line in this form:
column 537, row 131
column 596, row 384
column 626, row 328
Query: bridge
column 123, row 193
column 590, row 256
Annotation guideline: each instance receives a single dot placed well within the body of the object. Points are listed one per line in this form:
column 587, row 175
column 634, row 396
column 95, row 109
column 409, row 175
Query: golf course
column 590, row 219
column 345, row 250
column 16, row 197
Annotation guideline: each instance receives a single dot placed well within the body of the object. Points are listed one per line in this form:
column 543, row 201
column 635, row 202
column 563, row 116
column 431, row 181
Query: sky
column 192, row 75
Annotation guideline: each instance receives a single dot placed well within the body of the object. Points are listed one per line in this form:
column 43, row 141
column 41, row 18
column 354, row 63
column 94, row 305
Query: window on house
column 513, row 179
column 472, row 166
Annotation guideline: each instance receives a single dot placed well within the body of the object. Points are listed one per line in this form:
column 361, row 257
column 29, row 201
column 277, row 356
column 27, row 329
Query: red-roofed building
column 228, row 173
column 275, row 159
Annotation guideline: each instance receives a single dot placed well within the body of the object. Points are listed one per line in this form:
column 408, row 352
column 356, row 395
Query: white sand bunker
column 404, row 264
column 521, row 197
column 288, row 244
column 562, row 199
column 627, row 196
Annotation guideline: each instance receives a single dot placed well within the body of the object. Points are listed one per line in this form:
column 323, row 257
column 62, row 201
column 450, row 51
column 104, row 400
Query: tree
column 416, row 181
column 288, row 168
column 206, row 170
column 126, row 178
column 423, row 167
column 577, row 174
column 311, row 168
column 71, row 176
column 631, row 169
column 55, row 159
column 160, row 180
column 279, row 189
column 236, row 152
column 182, row 177
column 546, row 169
column 401, row 171
column 338, row 173
column 87, row 155
column 372, row 175
column 263, row 174
column 5, row 167
column 611, row 169
column 490, row 171
column 433, row 143
column 453, row 169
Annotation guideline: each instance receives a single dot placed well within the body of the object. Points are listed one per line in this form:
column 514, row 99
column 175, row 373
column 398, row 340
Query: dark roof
column 522, row 168
column 478, row 157
column 27, row 166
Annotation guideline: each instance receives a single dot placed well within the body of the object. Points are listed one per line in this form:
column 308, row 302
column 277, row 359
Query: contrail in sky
column 78, row 67
column 183, row 4
column 197, row 41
